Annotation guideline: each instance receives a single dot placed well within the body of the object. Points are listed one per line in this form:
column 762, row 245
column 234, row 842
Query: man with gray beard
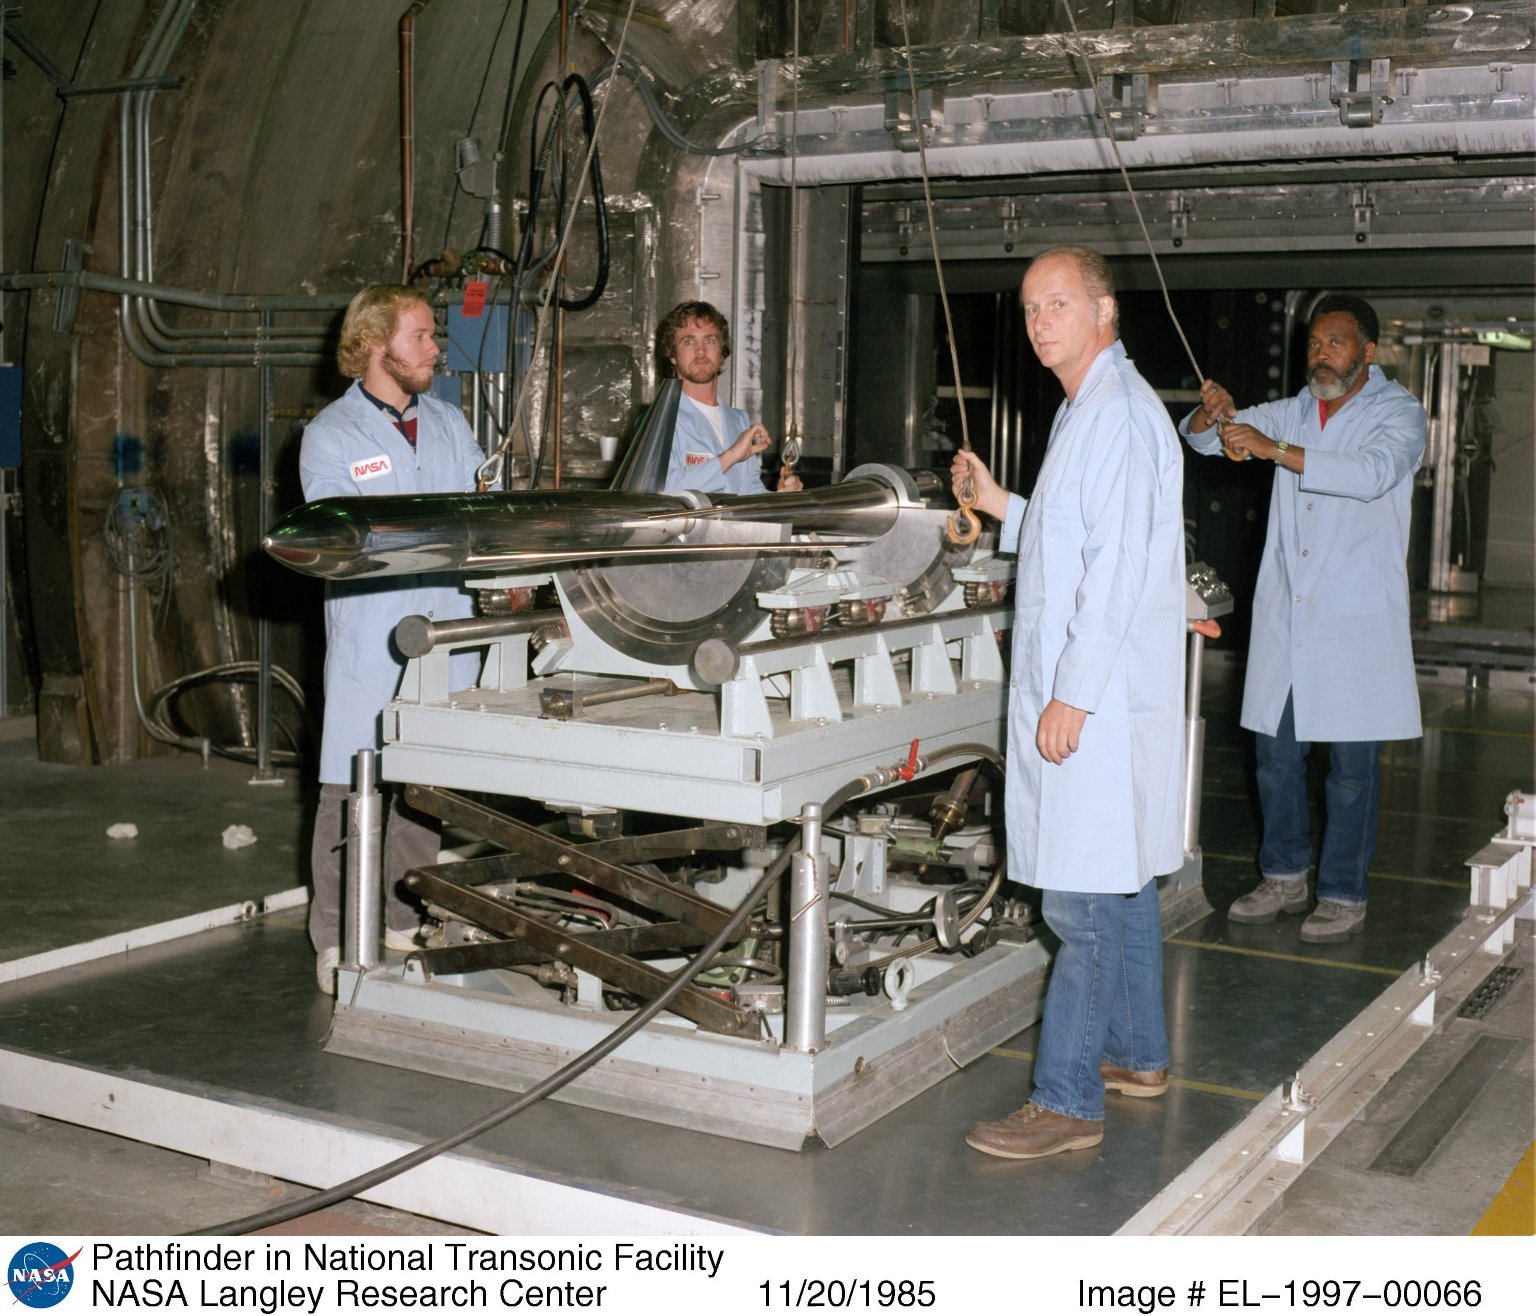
column 1331, row 655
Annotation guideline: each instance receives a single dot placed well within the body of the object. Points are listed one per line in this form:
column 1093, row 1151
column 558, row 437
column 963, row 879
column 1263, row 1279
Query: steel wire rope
column 1130, row 191
column 487, row 472
column 964, row 527
column 793, row 446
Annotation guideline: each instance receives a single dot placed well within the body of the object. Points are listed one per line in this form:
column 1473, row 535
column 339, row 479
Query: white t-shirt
column 712, row 415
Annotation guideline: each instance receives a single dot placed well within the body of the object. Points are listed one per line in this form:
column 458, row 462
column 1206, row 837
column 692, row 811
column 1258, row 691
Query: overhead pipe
column 130, row 289
column 168, row 339
column 144, row 331
column 170, row 16
column 118, row 286
column 408, row 139
column 138, row 316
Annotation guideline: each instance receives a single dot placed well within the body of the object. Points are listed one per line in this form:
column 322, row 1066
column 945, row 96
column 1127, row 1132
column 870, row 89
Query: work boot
column 1133, row 1082
column 1332, row 921
column 1268, row 899
column 1032, row 1132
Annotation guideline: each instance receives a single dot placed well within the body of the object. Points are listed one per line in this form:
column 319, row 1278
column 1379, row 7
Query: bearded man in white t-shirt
column 715, row 448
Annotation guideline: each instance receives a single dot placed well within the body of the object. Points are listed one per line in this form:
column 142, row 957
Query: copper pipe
column 408, row 138
column 558, row 383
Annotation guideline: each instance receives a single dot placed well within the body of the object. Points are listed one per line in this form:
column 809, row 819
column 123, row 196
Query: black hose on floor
column 371, row 1179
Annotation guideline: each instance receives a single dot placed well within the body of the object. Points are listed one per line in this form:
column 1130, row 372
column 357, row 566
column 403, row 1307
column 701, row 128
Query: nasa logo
column 697, row 458
column 370, row 467
column 41, row 1275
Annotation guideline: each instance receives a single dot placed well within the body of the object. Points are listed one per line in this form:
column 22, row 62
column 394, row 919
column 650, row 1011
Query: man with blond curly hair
column 384, row 435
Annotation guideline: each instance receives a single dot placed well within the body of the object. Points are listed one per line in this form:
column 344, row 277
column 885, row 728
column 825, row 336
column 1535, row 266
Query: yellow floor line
column 1492, row 774
column 1389, row 760
column 1463, row 886
column 1281, row 955
column 1385, row 877
column 1397, row 813
column 1188, row 1084
column 1481, row 731
column 1513, row 1209
column 1245, row 1093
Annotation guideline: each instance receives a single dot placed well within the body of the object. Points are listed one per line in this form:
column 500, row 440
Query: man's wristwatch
column 1281, row 448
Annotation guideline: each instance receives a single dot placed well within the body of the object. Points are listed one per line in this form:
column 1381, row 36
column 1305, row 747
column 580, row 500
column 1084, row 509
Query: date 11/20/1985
column 847, row 1293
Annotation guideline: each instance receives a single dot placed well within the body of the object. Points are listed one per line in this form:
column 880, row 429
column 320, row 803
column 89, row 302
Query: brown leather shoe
column 1133, row 1082
column 1032, row 1132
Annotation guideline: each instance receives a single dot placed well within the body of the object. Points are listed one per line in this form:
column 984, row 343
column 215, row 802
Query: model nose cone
column 320, row 539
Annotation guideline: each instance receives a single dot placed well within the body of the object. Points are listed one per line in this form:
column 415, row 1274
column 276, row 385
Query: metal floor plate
column 235, row 1011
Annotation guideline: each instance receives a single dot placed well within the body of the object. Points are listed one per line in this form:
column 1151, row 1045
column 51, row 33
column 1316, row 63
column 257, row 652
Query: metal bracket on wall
column 69, row 296
column 66, row 88
column 903, row 124
column 1361, row 89
column 1364, row 208
column 769, row 138
column 1129, row 99
column 1179, row 215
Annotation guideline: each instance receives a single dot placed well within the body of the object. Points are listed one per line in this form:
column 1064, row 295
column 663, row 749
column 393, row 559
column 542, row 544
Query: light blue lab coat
column 1330, row 609
column 345, row 452
column 1100, row 625
column 696, row 453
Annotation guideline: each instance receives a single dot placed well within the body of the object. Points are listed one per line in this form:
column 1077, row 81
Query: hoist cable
column 1130, row 191
column 964, row 527
column 790, row 450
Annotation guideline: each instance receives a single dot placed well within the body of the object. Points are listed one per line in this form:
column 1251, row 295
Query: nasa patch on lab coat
column 697, row 458
column 371, row 467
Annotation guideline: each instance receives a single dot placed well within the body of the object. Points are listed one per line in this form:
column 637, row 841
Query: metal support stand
column 264, row 774
column 365, row 882
column 1194, row 742
column 1207, row 598
column 805, row 1022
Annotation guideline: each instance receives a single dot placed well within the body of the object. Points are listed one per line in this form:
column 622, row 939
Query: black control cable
column 599, row 202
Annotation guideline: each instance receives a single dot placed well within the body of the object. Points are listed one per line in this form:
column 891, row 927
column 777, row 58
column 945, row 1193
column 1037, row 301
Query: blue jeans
column 1353, row 795
column 1105, row 999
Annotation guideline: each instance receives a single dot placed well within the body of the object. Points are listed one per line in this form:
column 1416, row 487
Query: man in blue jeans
column 1331, row 657
column 1095, row 708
